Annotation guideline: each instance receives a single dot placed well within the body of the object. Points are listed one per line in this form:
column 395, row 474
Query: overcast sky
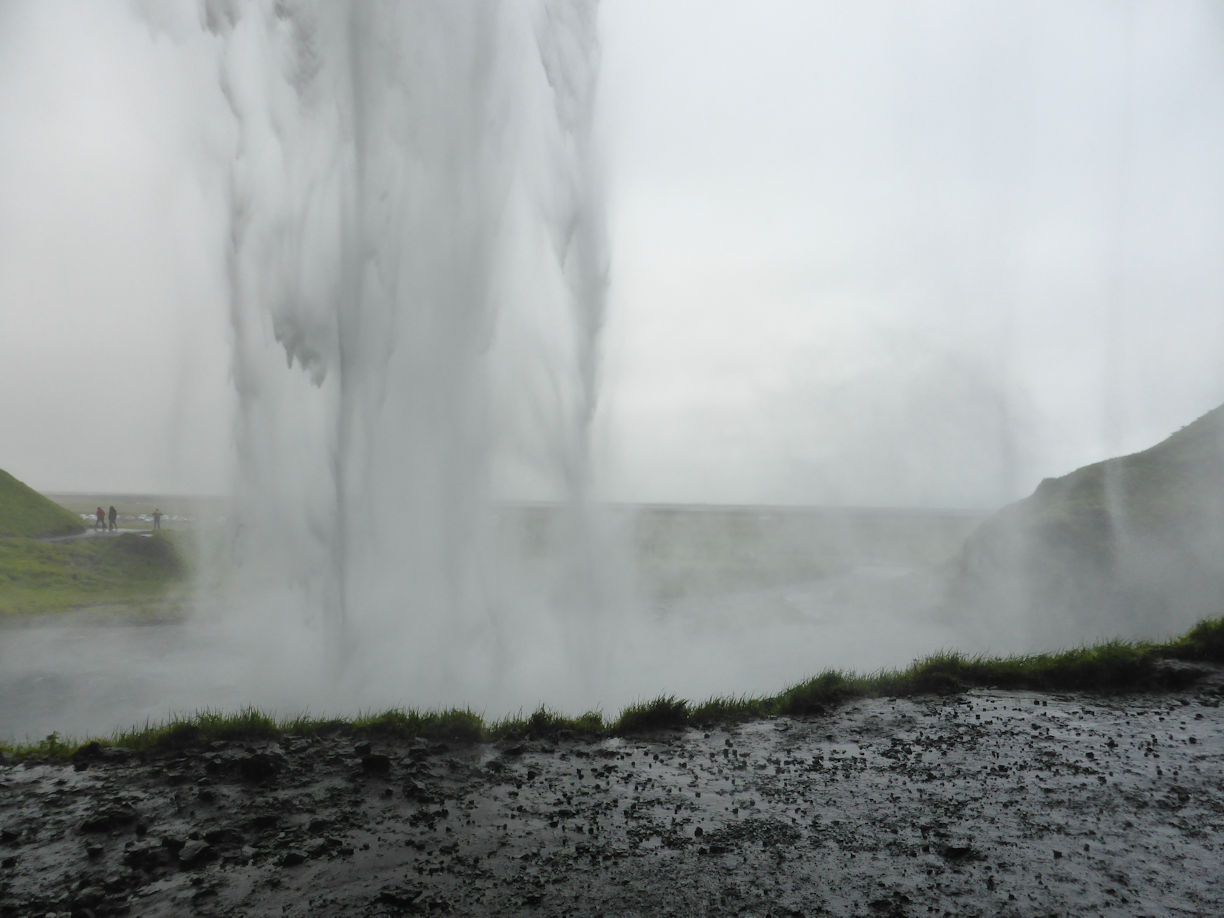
column 864, row 253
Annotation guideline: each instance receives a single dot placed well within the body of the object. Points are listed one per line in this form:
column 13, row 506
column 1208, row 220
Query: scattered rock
column 196, row 851
column 376, row 764
column 108, row 818
column 965, row 807
column 260, row 766
column 145, row 855
column 173, row 843
column 225, row 836
column 293, row 857
column 963, row 853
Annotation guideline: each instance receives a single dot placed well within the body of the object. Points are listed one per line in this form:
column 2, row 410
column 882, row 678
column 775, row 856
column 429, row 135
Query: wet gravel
column 990, row 803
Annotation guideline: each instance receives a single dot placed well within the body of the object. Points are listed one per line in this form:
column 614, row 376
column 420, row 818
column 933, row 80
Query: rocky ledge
column 989, row 803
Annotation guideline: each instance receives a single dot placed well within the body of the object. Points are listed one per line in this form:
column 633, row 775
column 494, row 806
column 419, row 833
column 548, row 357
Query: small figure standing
column 101, row 523
column 157, row 515
column 112, row 515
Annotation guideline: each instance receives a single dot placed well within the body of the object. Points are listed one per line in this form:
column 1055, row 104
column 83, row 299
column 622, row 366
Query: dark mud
column 991, row 803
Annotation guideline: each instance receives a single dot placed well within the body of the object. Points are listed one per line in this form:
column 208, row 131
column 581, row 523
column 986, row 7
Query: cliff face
column 1134, row 539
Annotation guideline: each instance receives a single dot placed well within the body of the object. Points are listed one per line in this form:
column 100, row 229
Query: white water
column 416, row 274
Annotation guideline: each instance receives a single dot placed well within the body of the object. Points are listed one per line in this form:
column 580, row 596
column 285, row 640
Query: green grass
column 125, row 572
column 727, row 710
column 26, row 514
column 1114, row 667
column 129, row 570
column 548, row 724
column 661, row 714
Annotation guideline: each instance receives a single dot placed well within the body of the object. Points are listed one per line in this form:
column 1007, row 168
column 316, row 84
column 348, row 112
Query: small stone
column 260, row 766
column 145, row 855
column 196, row 851
column 85, row 900
column 173, row 843
column 376, row 764
column 224, row 837
column 109, row 818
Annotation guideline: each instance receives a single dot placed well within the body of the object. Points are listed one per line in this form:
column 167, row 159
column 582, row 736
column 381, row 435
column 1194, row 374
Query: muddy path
column 991, row 803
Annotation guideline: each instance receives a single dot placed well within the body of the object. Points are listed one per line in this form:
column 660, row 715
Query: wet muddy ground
column 991, row 803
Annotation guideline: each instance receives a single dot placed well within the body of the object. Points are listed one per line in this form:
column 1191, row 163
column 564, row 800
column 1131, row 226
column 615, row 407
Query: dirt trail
column 991, row 803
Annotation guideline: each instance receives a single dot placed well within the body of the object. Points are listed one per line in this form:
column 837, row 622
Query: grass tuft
column 729, row 710
column 665, row 712
column 1204, row 642
column 455, row 725
column 548, row 724
column 816, row 695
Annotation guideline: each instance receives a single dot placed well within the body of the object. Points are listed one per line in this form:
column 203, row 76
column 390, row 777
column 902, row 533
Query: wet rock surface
column 991, row 803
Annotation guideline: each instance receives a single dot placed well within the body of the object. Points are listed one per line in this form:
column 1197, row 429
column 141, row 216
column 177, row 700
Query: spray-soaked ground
column 991, row 803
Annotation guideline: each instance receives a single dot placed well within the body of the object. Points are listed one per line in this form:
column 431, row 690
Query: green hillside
column 24, row 513
column 1139, row 536
column 127, row 572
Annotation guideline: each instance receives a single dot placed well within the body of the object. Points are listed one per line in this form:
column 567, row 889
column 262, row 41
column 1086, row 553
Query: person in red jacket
column 101, row 519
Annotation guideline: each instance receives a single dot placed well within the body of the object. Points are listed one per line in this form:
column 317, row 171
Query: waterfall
column 416, row 267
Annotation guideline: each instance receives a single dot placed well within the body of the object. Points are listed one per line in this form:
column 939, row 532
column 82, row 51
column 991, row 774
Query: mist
column 446, row 301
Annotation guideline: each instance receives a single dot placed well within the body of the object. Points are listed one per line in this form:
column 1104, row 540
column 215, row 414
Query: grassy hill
column 126, row 571
column 1135, row 536
column 24, row 513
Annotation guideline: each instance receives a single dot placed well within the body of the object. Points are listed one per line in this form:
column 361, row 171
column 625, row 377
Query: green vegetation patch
column 1202, row 643
column 37, row 577
column 548, row 724
column 730, row 710
column 26, row 514
column 667, row 712
column 1114, row 667
column 455, row 725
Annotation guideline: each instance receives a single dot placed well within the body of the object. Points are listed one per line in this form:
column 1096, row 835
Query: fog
column 850, row 248
column 905, row 254
column 380, row 272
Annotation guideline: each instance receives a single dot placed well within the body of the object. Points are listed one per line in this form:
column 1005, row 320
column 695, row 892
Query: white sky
column 884, row 253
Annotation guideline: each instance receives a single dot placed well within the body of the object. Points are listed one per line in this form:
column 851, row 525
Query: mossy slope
column 24, row 513
column 1139, row 535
